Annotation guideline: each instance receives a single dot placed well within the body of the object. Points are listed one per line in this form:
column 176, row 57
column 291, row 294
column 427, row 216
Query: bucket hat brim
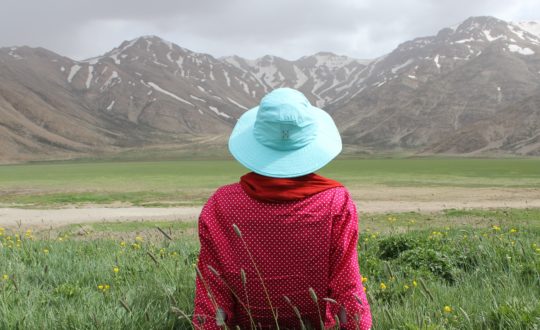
column 285, row 163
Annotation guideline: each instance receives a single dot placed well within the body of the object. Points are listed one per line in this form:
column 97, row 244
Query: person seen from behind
column 279, row 248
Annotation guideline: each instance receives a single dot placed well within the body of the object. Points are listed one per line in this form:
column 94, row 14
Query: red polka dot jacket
column 265, row 264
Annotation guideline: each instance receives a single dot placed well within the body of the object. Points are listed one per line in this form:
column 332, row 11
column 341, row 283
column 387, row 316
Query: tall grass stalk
column 239, row 234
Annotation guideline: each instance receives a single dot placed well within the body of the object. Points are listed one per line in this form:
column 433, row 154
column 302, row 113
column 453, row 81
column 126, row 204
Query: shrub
column 436, row 262
column 392, row 246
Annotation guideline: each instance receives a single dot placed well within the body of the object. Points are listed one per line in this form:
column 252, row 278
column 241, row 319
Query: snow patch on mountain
column 111, row 105
column 520, row 50
column 166, row 92
column 533, row 27
column 111, row 80
column 462, row 41
column 219, row 113
column 197, row 98
column 436, row 60
column 90, row 76
column 236, row 103
column 227, row 78
column 72, row 72
column 13, row 54
column 403, row 65
column 487, row 34
column 301, row 78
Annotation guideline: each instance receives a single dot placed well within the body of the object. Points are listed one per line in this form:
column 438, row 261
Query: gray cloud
column 358, row 28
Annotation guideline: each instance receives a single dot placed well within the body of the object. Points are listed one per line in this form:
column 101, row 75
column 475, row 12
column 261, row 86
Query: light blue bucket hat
column 285, row 136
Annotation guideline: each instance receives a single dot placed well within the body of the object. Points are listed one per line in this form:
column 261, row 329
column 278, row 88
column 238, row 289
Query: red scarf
column 269, row 189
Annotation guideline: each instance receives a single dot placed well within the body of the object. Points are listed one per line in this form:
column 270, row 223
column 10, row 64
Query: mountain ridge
column 148, row 91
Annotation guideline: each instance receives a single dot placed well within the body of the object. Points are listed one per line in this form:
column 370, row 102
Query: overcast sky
column 250, row 28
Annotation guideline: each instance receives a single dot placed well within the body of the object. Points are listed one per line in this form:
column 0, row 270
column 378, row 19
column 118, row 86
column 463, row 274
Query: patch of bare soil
column 431, row 199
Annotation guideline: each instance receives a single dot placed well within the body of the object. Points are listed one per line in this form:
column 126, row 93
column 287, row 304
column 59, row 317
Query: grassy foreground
column 132, row 276
column 173, row 183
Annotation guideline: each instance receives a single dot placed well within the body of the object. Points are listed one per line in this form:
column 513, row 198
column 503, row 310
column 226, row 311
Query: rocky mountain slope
column 147, row 91
column 430, row 89
column 472, row 88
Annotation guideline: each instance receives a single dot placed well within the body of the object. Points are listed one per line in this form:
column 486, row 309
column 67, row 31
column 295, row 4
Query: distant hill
column 470, row 89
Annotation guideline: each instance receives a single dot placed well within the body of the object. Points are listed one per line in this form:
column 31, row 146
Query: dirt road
column 38, row 218
column 10, row 217
column 373, row 200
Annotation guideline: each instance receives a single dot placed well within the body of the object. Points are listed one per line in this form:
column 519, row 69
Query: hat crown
column 285, row 120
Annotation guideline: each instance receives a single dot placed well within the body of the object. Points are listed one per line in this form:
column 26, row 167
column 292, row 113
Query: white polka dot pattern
column 294, row 246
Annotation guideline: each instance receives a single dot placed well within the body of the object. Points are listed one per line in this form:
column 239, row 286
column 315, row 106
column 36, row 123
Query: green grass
column 163, row 183
column 488, row 275
column 489, row 278
column 450, row 218
column 141, row 225
column 376, row 223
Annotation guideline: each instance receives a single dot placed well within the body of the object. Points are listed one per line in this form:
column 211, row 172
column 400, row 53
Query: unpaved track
column 32, row 218
column 377, row 199
column 51, row 218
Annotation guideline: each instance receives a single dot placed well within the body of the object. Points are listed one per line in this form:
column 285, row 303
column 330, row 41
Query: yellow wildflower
column 406, row 287
column 46, row 251
column 135, row 246
column 103, row 287
column 364, row 279
column 138, row 239
column 28, row 233
column 496, row 228
column 5, row 277
column 414, row 284
column 513, row 230
column 122, row 244
column 382, row 286
column 364, row 288
column 116, row 270
column 447, row 309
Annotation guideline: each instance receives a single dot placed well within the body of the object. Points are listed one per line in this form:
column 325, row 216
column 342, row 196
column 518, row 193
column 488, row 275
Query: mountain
column 431, row 88
column 469, row 89
column 323, row 77
column 516, row 130
column 145, row 92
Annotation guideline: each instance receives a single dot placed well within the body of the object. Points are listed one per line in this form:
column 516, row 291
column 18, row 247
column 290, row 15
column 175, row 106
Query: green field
column 164, row 183
column 419, row 273
column 454, row 269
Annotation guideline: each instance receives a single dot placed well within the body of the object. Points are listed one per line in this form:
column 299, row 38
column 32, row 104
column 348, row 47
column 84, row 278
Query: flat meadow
column 181, row 182
column 447, row 269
